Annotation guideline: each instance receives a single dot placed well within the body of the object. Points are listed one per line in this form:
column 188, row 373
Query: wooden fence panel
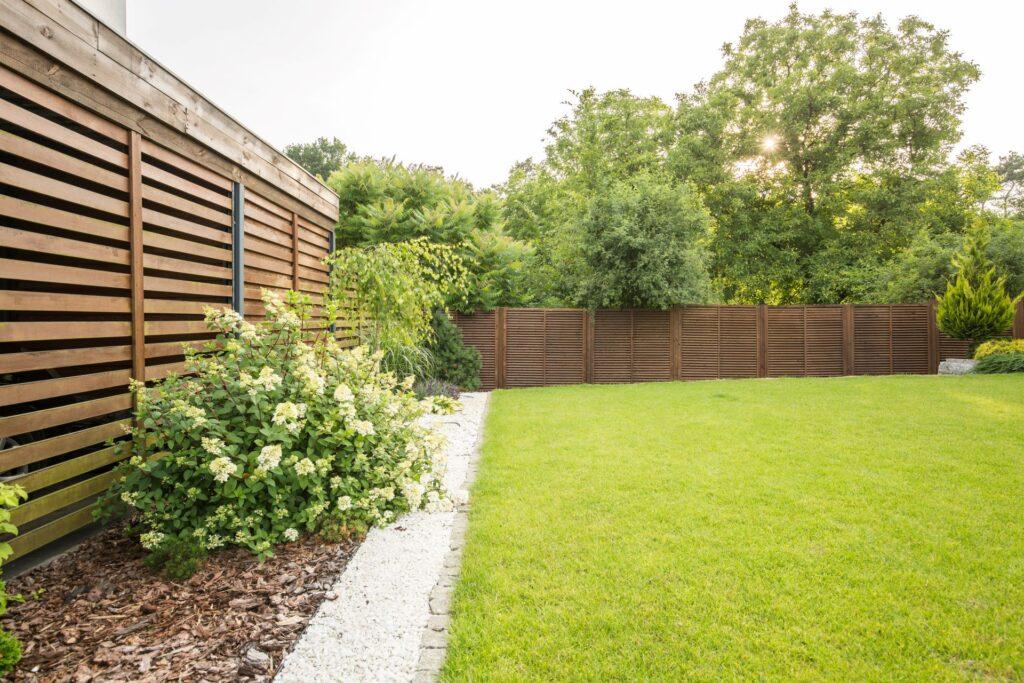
column 66, row 299
column 539, row 347
column 613, row 346
column 738, row 342
column 785, row 341
column 699, row 342
column 525, row 355
column 910, row 354
column 478, row 331
column 110, row 248
column 564, row 347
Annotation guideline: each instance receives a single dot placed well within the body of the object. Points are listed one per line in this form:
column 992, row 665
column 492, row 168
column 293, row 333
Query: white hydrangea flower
column 435, row 503
column 344, row 503
column 213, row 445
column 151, row 539
column 343, row 394
column 289, row 415
column 413, row 492
column 291, row 534
column 364, row 427
column 222, row 468
column 269, row 457
column 305, row 467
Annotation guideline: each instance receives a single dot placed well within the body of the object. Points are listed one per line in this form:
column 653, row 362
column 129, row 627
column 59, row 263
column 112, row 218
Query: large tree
column 322, row 157
column 812, row 139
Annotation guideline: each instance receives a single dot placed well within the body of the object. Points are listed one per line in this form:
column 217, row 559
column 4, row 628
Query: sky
column 472, row 86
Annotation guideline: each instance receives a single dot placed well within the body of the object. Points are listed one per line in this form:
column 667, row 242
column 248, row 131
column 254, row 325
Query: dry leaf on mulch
column 101, row 615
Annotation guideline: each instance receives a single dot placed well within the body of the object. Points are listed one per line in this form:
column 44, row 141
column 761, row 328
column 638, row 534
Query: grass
column 852, row 529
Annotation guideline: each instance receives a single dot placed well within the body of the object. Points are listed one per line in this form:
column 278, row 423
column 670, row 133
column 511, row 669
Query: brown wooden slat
column 151, row 217
column 11, row 300
column 26, row 542
column 60, row 246
column 11, row 394
column 184, row 185
column 61, row 498
column 57, row 218
column 55, row 474
column 51, row 417
column 54, row 131
column 154, row 150
column 155, row 194
column 33, row 151
column 35, row 451
column 181, row 266
column 62, row 106
column 37, row 331
column 35, row 182
column 155, row 240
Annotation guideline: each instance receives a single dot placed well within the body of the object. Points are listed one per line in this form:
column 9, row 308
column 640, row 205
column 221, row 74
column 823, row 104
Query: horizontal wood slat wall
column 111, row 245
column 525, row 347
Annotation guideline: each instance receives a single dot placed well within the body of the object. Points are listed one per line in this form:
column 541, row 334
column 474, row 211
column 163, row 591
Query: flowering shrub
column 275, row 432
column 11, row 496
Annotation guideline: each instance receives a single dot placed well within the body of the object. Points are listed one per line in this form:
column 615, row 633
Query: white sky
column 473, row 85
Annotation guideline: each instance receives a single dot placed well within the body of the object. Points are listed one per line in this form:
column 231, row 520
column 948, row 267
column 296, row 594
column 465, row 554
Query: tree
column 385, row 202
column 642, row 246
column 322, row 157
column 975, row 306
column 810, row 142
column 1009, row 200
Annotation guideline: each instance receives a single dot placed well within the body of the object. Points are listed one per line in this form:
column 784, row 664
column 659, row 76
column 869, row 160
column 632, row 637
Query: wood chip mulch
column 101, row 615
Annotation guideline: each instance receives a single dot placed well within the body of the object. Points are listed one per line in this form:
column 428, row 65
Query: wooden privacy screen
column 525, row 347
column 111, row 247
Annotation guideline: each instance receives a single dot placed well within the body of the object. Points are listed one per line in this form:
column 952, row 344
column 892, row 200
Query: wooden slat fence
column 110, row 247
column 526, row 347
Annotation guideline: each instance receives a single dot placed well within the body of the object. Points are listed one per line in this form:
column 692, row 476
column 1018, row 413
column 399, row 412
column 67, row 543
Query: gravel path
column 376, row 627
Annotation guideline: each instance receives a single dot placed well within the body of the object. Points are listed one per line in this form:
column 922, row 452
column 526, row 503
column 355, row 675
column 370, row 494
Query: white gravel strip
column 372, row 630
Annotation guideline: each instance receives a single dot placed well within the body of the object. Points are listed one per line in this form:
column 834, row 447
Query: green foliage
column 322, row 157
column 10, row 652
column 275, row 431
column 999, row 346
column 642, row 246
column 452, row 361
column 386, row 202
column 975, row 305
column 1000, row 363
column 11, row 496
column 390, row 292
column 177, row 557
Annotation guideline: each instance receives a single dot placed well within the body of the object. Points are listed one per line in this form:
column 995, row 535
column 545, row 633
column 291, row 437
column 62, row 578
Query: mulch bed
column 100, row 614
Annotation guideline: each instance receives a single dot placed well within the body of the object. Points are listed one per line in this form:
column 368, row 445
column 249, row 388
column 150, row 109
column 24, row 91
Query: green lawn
column 850, row 528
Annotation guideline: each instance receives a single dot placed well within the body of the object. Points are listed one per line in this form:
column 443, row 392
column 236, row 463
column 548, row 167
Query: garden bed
column 99, row 614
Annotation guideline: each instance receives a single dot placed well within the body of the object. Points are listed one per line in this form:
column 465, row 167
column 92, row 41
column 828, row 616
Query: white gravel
column 372, row 630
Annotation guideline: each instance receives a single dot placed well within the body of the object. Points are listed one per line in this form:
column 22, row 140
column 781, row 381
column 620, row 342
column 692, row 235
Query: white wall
column 110, row 12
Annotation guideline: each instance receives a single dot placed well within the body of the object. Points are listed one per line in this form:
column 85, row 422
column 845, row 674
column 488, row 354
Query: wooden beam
column 137, row 259
column 72, row 36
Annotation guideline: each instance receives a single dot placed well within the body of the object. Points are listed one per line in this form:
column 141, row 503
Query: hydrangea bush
column 273, row 431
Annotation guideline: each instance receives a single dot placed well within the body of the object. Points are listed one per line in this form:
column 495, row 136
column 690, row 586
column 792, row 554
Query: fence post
column 849, row 358
column 761, row 332
column 238, row 247
column 500, row 329
column 1018, row 321
column 675, row 321
column 588, row 342
column 933, row 338
column 295, row 251
column 138, row 300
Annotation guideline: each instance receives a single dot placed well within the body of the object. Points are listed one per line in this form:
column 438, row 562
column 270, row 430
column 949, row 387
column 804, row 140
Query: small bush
column 178, row 558
column 453, row 361
column 10, row 649
column 999, row 363
column 273, row 433
column 435, row 387
column 999, row 346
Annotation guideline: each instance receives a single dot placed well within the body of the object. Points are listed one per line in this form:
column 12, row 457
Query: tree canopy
column 819, row 164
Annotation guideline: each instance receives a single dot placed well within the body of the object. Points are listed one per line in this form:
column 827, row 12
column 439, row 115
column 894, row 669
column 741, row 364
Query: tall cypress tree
column 975, row 306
